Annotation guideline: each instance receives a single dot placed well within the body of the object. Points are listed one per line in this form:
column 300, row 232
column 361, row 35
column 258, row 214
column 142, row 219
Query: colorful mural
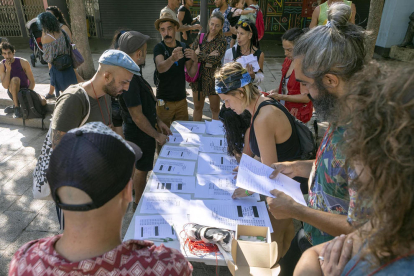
column 278, row 15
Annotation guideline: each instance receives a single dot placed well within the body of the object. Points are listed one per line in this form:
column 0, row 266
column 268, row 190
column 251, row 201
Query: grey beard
column 326, row 105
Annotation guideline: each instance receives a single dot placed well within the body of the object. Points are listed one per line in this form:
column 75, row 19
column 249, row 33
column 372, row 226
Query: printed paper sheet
column 170, row 166
column 179, row 152
column 213, row 144
column 215, row 163
column 218, row 187
column 254, row 176
column 159, row 183
column 164, row 203
column 229, row 213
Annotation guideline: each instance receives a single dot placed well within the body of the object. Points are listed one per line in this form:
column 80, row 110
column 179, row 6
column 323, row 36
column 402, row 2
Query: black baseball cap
column 94, row 159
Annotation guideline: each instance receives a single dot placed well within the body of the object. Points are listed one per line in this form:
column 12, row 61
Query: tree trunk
column 77, row 13
column 374, row 21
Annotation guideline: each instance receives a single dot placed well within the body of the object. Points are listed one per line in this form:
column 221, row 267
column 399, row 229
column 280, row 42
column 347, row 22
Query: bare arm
column 56, row 137
column 142, row 122
column 244, row 12
column 299, row 98
column 4, row 77
column 67, row 31
column 265, row 134
column 315, row 16
column 26, row 67
column 163, row 65
column 180, row 16
column 353, row 10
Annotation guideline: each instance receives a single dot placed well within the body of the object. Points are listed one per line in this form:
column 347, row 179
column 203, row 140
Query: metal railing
column 9, row 21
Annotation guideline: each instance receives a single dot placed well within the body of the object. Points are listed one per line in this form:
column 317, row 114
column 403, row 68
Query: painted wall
column 394, row 22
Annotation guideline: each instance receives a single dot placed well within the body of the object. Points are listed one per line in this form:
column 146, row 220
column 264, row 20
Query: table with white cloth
column 194, row 156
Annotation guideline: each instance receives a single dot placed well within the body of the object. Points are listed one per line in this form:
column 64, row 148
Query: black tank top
column 286, row 151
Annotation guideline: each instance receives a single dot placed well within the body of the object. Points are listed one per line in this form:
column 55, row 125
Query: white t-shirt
column 174, row 15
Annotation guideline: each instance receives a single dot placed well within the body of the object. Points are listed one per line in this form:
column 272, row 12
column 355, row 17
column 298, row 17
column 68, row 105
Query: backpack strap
column 234, row 51
column 89, row 107
column 200, row 41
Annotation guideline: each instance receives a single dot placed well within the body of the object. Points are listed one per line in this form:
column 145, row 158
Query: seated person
column 15, row 74
column 93, row 187
column 379, row 114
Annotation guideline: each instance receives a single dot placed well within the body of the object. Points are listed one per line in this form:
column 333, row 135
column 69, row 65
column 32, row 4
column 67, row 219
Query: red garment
column 304, row 110
column 133, row 257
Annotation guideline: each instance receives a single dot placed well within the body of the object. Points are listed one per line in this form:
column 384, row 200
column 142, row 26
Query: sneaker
column 9, row 109
column 17, row 113
column 50, row 96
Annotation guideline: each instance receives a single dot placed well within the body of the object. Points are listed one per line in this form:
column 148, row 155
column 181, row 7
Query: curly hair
column 48, row 22
column 378, row 113
column 6, row 46
column 235, row 127
column 58, row 14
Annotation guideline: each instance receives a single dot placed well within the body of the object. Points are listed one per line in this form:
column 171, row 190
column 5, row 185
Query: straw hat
column 166, row 16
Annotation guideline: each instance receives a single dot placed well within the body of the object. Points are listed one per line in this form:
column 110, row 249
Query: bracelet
column 247, row 193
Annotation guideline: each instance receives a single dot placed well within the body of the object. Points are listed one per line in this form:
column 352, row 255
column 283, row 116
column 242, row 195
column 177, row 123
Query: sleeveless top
column 323, row 12
column 286, row 151
column 55, row 48
column 18, row 71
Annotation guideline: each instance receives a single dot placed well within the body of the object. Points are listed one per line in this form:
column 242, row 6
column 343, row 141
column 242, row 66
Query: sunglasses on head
column 244, row 24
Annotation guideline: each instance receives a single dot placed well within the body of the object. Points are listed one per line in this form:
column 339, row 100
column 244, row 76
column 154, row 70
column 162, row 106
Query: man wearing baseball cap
column 90, row 179
column 139, row 112
column 91, row 101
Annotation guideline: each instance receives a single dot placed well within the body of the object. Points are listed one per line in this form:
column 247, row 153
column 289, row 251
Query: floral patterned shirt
column 133, row 257
column 330, row 190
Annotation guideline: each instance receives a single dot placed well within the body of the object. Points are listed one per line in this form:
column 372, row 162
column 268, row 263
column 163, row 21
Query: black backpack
column 166, row 55
column 31, row 105
column 306, row 139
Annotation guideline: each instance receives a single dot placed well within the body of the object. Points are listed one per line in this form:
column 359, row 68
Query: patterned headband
column 232, row 82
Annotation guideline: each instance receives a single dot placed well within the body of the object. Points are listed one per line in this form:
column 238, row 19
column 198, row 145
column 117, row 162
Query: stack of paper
column 214, row 127
column 213, row 163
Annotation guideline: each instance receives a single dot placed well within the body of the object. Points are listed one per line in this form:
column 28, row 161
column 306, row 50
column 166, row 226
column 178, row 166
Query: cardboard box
column 253, row 258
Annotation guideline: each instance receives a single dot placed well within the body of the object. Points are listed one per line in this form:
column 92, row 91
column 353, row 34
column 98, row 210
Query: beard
column 110, row 89
column 326, row 104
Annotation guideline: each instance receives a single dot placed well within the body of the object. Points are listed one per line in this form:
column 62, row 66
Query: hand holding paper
column 254, row 176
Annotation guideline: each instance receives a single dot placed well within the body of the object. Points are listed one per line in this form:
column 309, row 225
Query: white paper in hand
column 254, row 176
column 250, row 59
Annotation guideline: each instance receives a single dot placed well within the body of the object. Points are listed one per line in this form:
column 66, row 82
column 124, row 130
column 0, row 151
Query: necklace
column 103, row 118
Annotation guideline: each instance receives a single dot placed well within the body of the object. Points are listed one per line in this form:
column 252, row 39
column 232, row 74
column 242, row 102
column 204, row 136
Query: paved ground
column 21, row 217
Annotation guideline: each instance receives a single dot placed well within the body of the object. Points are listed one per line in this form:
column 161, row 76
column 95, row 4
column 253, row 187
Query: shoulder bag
column 64, row 61
column 188, row 78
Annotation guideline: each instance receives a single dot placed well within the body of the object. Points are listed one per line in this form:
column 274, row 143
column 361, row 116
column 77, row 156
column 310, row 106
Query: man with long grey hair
column 325, row 59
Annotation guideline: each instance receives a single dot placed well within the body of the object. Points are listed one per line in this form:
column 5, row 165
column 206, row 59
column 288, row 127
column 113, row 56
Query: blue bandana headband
column 232, row 82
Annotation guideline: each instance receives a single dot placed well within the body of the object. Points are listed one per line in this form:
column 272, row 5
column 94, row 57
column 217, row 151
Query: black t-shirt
column 187, row 20
column 172, row 82
column 139, row 93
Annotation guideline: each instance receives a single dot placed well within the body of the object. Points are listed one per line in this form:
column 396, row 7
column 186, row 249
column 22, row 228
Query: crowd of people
column 360, row 197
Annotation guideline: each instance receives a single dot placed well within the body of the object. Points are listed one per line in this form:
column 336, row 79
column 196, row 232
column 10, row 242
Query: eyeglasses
column 244, row 24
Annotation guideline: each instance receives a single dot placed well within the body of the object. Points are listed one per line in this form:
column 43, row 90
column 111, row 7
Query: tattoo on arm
column 56, row 137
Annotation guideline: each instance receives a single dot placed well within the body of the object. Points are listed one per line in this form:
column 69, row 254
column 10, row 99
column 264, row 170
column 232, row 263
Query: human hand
column 163, row 127
column 197, row 27
column 7, row 63
column 249, row 69
column 214, row 53
column 197, row 51
column 335, row 255
column 276, row 96
column 287, row 168
column 280, row 205
column 190, row 53
column 184, row 34
column 161, row 139
column 251, row 11
column 177, row 54
column 239, row 192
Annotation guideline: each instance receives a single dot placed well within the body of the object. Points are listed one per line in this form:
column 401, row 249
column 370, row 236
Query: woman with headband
column 272, row 135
